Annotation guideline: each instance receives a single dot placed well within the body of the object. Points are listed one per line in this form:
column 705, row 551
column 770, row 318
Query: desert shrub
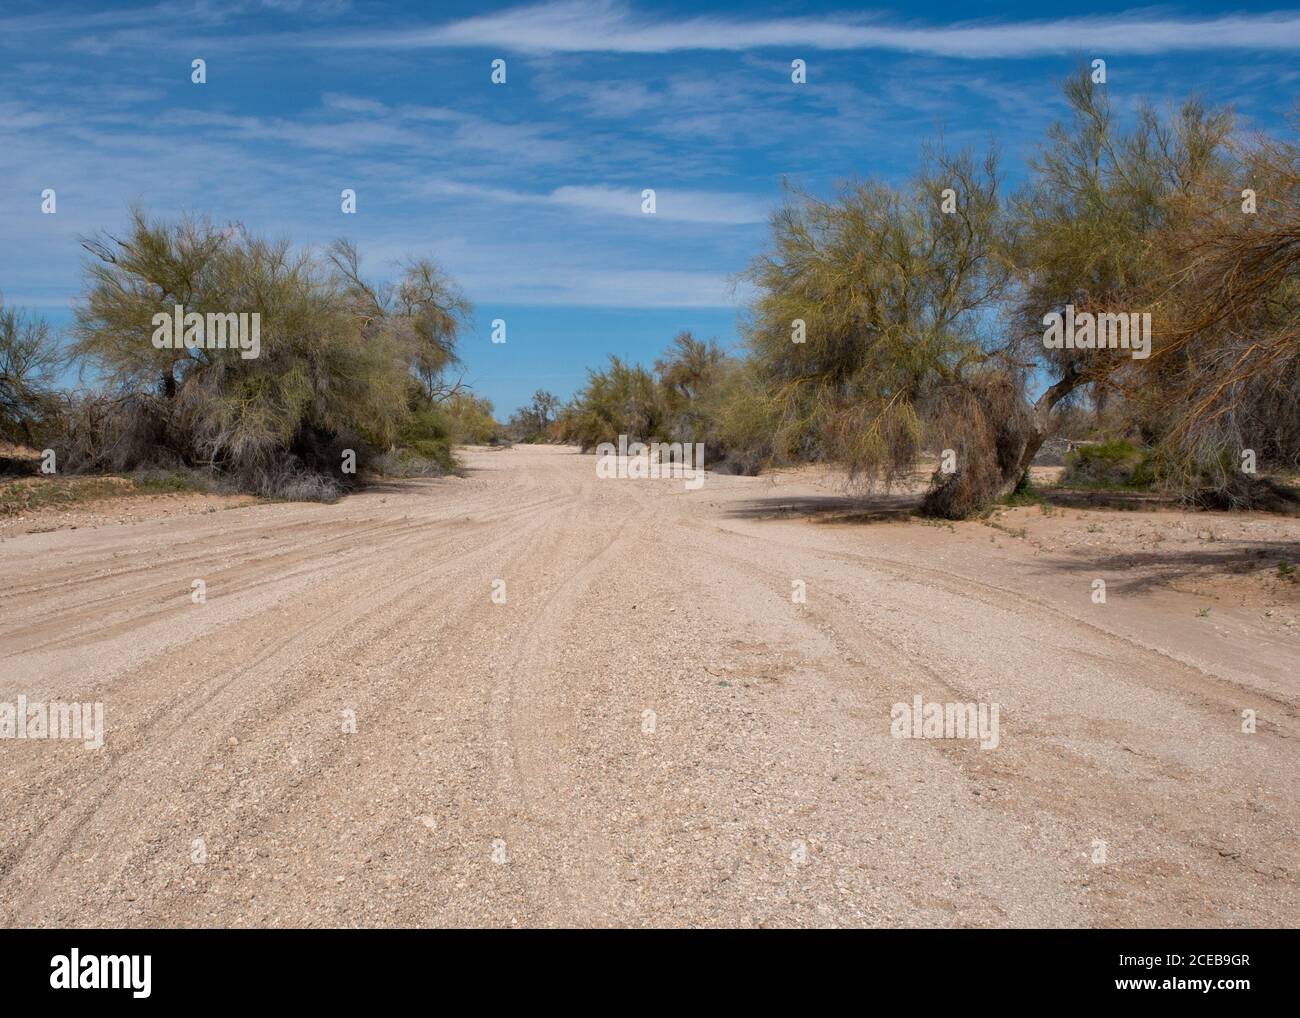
column 29, row 404
column 697, row 394
column 741, row 418
column 407, row 463
column 298, row 486
column 534, row 422
column 895, row 346
column 922, row 328
column 339, row 358
column 687, row 374
column 174, row 481
column 622, row 399
column 427, row 435
column 1116, row 463
column 1228, row 376
column 470, row 420
column 116, row 434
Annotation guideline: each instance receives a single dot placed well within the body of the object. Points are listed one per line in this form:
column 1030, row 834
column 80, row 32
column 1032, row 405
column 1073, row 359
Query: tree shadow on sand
column 828, row 508
column 1149, row 569
column 888, row 507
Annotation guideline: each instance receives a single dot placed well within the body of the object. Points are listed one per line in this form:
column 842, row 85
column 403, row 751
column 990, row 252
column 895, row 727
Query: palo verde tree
column 532, row 423
column 688, row 373
column 886, row 318
column 422, row 313
column 622, row 399
column 29, row 360
column 335, row 369
column 873, row 323
column 1226, row 382
column 1097, row 234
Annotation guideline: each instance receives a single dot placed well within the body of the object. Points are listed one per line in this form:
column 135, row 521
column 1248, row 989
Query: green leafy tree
column 29, row 360
column 872, row 325
column 337, row 365
column 622, row 399
column 532, row 423
column 926, row 328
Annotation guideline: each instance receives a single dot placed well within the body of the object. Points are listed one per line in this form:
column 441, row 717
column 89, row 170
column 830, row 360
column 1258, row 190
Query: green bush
column 29, row 358
column 697, row 394
column 338, row 361
column 742, row 418
column 535, row 422
column 427, row 434
column 1116, row 463
column 469, row 420
column 623, row 399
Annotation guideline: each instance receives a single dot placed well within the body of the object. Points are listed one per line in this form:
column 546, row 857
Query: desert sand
column 350, row 730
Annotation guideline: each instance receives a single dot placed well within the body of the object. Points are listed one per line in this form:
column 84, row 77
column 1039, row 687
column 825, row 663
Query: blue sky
column 529, row 193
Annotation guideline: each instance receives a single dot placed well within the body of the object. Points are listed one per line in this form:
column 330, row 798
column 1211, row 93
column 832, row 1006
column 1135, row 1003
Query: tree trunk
column 1040, row 426
column 1007, row 437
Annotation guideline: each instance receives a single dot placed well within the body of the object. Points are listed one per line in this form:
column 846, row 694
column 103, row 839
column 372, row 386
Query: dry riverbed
column 646, row 725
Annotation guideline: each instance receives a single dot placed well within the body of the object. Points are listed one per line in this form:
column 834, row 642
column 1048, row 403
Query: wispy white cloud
column 347, row 123
column 718, row 208
column 198, row 12
column 530, row 193
column 619, row 26
column 581, row 285
column 614, row 26
column 687, row 206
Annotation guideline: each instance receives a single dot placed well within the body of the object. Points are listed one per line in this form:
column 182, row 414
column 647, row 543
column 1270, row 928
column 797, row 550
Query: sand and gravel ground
column 649, row 730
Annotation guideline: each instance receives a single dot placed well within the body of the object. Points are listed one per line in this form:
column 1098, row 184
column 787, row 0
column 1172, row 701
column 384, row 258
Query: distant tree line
column 350, row 376
column 889, row 321
column 895, row 319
